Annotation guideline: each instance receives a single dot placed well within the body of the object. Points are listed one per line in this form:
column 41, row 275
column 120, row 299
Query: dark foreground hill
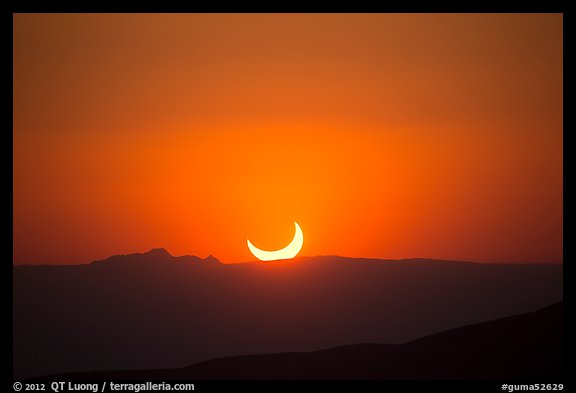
column 518, row 347
column 152, row 311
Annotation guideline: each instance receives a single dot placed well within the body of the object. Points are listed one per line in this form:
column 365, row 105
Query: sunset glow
column 382, row 135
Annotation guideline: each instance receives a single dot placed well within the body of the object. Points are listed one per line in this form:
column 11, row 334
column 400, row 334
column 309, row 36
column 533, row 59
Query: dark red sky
column 383, row 135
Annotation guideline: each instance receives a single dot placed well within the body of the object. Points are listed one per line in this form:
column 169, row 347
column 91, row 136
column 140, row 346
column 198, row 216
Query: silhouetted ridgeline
column 526, row 346
column 152, row 310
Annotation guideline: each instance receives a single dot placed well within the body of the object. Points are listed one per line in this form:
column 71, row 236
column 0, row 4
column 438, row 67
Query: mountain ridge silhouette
column 161, row 253
column 153, row 310
column 524, row 346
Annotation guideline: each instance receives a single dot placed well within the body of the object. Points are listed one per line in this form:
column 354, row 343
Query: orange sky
column 382, row 135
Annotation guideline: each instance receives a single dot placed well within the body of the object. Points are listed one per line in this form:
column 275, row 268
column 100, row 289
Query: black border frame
column 393, row 6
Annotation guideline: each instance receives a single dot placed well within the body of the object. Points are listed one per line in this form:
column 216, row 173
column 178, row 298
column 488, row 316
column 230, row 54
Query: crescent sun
column 290, row 251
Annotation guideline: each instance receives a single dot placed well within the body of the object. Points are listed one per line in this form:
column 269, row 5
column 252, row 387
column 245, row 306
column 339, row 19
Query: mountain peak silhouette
column 211, row 259
column 158, row 252
column 153, row 257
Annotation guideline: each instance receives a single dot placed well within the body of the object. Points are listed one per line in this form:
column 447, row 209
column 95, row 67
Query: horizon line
column 162, row 249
